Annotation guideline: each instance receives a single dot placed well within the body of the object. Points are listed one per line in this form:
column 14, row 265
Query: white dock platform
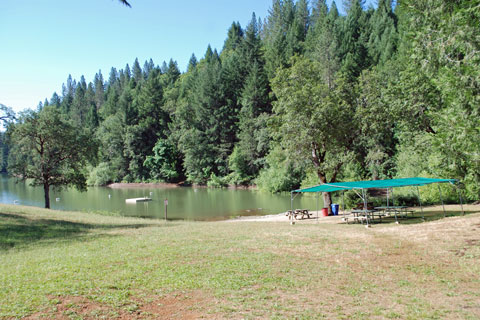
column 136, row 200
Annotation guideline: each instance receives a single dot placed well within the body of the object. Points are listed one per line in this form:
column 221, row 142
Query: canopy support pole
column 290, row 216
column 441, row 198
column 317, row 207
column 387, row 197
column 393, row 199
column 365, row 206
column 420, row 202
column 291, row 201
column 343, row 204
column 461, row 201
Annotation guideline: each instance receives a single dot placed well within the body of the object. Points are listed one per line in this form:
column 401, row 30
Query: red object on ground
column 325, row 212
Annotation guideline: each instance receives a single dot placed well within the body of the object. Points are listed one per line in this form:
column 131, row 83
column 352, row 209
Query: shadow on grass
column 17, row 230
column 416, row 217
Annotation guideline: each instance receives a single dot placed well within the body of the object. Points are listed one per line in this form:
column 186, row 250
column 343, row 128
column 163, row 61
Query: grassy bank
column 75, row 265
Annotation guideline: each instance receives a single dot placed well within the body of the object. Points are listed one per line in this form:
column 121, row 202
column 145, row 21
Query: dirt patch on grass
column 182, row 305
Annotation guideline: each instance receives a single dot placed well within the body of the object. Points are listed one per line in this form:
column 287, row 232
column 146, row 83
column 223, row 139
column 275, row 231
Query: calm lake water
column 183, row 203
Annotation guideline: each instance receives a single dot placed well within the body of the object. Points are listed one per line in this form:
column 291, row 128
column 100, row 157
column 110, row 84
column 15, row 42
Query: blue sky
column 43, row 41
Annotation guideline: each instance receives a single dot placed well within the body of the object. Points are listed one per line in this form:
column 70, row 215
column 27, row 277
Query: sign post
column 166, row 204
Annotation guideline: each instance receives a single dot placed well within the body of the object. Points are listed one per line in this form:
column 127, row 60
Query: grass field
column 70, row 265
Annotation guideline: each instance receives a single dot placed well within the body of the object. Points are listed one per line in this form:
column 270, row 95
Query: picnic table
column 396, row 210
column 299, row 212
column 360, row 215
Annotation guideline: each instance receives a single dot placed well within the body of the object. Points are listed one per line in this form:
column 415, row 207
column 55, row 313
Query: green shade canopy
column 380, row 184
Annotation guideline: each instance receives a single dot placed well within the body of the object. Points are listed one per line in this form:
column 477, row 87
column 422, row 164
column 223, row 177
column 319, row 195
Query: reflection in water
column 183, row 203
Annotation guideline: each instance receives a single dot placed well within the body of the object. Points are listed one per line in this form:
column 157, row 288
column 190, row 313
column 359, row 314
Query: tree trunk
column 46, row 191
column 327, row 197
column 327, row 201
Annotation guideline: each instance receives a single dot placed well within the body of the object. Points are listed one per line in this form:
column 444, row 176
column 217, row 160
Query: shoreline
column 132, row 185
column 135, row 185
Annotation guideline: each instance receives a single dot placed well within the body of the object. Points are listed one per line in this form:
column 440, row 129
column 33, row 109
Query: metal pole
column 388, row 206
column 291, row 201
column 365, row 206
column 387, row 197
column 290, row 216
column 441, row 198
column 461, row 202
column 317, row 207
column 393, row 199
column 166, row 205
column 343, row 204
column 420, row 202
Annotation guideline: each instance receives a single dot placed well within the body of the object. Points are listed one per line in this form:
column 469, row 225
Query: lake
column 186, row 203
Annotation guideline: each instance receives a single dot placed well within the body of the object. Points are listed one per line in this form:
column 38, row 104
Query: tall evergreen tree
column 353, row 50
column 137, row 72
column 79, row 108
column 234, row 37
column 68, row 93
column 382, row 42
column 99, row 87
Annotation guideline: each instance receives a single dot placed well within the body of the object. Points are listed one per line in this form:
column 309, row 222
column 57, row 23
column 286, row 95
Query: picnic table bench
column 299, row 212
column 395, row 210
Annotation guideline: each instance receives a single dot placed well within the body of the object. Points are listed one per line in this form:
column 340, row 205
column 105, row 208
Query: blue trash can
column 334, row 209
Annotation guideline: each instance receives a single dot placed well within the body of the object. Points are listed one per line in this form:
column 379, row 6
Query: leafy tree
column 281, row 173
column 50, row 150
column 147, row 123
column 4, row 149
column 163, row 164
column 376, row 119
column 6, row 113
column 440, row 72
column 311, row 117
column 111, row 136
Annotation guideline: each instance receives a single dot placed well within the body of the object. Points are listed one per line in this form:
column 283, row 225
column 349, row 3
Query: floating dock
column 136, row 200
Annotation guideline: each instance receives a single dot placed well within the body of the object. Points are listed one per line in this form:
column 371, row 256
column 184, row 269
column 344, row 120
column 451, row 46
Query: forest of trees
column 302, row 97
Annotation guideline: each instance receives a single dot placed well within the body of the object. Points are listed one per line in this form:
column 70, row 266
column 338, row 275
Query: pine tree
column 148, row 67
column 298, row 29
column 91, row 117
column 323, row 41
column 68, row 92
column 151, row 124
column 99, row 88
column 234, row 37
column 55, row 100
column 192, row 63
column 137, row 72
column 79, row 107
column 172, row 73
column 353, row 51
column 382, row 42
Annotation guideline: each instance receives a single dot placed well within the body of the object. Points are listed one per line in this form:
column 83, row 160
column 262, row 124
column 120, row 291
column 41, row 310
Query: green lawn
column 82, row 266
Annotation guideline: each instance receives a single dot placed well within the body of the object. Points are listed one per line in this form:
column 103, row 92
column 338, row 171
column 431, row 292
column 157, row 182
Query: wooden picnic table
column 360, row 215
column 298, row 212
column 396, row 210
